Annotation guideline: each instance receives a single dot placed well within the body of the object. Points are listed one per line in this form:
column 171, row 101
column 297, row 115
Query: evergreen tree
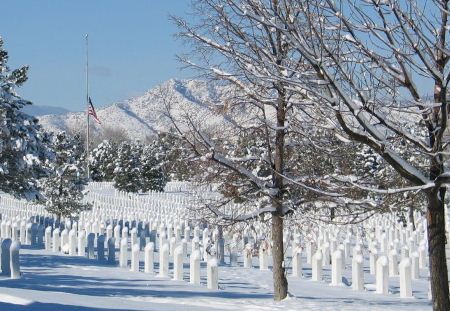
column 152, row 175
column 173, row 155
column 63, row 189
column 127, row 172
column 102, row 161
column 22, row 143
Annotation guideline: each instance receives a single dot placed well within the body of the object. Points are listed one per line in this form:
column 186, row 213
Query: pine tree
column 152, row 175
column 22, row 143
column 102, row 161
column 63, row 189
column 127, row 172
column 173, row 154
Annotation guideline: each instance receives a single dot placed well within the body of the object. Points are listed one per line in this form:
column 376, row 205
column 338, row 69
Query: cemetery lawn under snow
column 59, row 282
column 54, row 281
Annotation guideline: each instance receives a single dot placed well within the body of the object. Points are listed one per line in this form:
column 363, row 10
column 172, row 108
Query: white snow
column 52, row 281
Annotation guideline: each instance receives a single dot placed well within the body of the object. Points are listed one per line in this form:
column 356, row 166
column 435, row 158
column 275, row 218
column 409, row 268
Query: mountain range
column 145, row 115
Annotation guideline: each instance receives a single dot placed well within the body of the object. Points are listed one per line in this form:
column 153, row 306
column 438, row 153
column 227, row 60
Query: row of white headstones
column 82, row 242
column 333, row 244
column 92, row 238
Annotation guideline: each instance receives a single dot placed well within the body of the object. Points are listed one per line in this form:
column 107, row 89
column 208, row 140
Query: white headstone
column 336, row 268
column 405, row 278
column 123, row 253
column 135, row 257
column 48, row 238
column 358, row 272
column 212, row 274
column 14, row 260
column 194, row 268
column 178, row 263
column 382, row 275
column 148, row 257
column 56, row 240
column 164, row 261
column 316, row 266
column 297, row 263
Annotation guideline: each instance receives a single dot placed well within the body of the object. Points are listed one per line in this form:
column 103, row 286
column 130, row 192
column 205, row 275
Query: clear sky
column 132, row 47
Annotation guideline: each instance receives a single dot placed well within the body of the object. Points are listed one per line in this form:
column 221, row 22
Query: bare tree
column 265, row 125
column 374, row 64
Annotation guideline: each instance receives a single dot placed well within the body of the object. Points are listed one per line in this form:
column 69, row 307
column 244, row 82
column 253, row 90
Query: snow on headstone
column 72, row 242
column 336, row 268
column 194, row 267
column 247, row 256
column 14, row 260
column 405, row 278
column 123, row 253
column 117, row 235
column 164, row 261
column 422, row 256
column 405, row 252
column 316, row 266
column 23, row 232
column 415, row 270
column 297, row 262
column 178, row 263
column 309, row 252
column 382, row 275
column 109, row 232
column 135, row 258
column 56, row 240
column 263, row 261
column 393, row 263
column 15, row 231
column 373, row 257
column 172, row 245
column 65, row 241
column 326, row 254
column 48, row 238
column 358, row 272
column 81, row 243
column 187, row 233
column 148, row 257
column 133, row 234
column 212, row 274
column 184, row 246
column 195, row 244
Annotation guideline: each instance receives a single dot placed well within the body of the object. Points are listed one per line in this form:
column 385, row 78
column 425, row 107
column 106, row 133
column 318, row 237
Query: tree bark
column 221, row 247
column 280, row 284
column 411, row 217
column 436, row 251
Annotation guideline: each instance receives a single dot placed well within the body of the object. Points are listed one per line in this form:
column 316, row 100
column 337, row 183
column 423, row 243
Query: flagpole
column 87, row 107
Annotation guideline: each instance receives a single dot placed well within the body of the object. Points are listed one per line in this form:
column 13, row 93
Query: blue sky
column 132, row 47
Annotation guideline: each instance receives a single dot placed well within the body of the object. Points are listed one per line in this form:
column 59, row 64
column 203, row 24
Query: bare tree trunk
column 221, row 247
column 436, row 251
column 411, row 217
column 280, row 284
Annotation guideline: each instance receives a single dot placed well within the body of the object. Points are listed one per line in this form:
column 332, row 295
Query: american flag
column 91, row 111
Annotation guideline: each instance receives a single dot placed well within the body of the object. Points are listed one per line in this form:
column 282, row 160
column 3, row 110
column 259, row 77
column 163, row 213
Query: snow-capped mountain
column 145, row 115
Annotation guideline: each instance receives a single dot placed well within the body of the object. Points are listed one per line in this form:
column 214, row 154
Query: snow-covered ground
column 53, row 281
column 57, row 282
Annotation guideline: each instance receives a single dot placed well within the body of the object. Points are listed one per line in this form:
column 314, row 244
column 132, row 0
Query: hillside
column 145, row 115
